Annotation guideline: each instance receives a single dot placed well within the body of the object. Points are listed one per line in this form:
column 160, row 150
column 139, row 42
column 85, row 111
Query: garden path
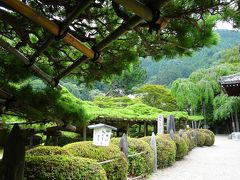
column 219, row 162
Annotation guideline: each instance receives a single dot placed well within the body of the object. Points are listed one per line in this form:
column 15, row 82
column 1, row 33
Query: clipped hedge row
column 116, row 169
column 141, row 164
column 182, row 147
column 166, row 150
column 47, row 150
column 60, row 167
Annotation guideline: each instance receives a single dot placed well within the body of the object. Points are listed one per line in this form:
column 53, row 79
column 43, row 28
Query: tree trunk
column 236, row 120
column 204, row 114
column 12, row 166
column 233, row 124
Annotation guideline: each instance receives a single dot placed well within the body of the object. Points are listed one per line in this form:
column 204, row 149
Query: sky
column 224, row 25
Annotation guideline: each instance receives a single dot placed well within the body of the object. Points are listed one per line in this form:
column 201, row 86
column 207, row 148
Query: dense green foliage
column 116, row 169
column 141, row 164
column 47, row 150
column 168, row 70
column 126, row 108
column 56, row 167
column 158, row 96
column 200, row 94
column 189, row 27
column 166, row 150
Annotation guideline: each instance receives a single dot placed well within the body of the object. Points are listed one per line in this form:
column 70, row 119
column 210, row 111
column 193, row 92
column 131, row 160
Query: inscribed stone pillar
column 160, row 124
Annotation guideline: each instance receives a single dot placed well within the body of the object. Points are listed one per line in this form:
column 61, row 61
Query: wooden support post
column 84, row 133
column 50, row 26
column 145, row 128
column 127, row 128
column 139, row 129
column 26, row 61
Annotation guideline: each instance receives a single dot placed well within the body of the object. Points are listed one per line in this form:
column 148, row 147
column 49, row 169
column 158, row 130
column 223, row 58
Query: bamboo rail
column 76, row 12
column 26, row 61
column 48, row 25
column 137, row 7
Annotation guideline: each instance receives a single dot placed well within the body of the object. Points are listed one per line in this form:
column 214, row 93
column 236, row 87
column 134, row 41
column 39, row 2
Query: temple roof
column 231, row 84
column 231, row 79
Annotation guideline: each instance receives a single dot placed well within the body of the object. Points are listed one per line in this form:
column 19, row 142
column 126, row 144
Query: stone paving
column 218, row 162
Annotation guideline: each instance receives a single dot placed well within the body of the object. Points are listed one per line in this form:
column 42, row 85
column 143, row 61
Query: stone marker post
column 172, row 134
column 170, row 123
column 124, row 145
column 154, row 148
column 160, row 124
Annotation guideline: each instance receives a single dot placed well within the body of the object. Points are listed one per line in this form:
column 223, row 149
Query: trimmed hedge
column 201, row 138
column 187, row 140
column 116, row 169
column 47, row 150
column 56, row 167
column 68, row 137
column 210, row 137
column 182, row 147
column 166, row 150
column 141, row 164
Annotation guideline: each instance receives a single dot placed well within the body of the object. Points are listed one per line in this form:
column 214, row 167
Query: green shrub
column 68, row 137
column 200, row 138
column 187, row 140
column 182, row 147
column 47, row 150
column 116, row 169
column 141, row 164
column 55, row 167
column 210, row 137
column 166, row 150
column 192, row 142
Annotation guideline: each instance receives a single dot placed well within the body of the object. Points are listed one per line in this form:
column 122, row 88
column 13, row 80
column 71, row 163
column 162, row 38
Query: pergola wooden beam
column 75, row 14
column 48, row 25
column 138, row 8
column 126, row 26
column 26, row 61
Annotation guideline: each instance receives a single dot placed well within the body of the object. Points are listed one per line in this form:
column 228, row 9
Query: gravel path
column 219, row 162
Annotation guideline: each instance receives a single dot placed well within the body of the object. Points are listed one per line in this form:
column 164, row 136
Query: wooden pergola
column 231, row 84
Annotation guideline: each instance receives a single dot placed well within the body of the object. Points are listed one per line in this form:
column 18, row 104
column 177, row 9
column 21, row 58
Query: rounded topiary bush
column 47, row 150
column 56, row 167
column 141, row 164
column 210, row 137
column 182, row 147
column 166, row 150
column 201, row 138
column 117, row 169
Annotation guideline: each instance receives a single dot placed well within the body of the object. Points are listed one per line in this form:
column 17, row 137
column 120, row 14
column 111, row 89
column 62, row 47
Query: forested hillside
column 167, row 70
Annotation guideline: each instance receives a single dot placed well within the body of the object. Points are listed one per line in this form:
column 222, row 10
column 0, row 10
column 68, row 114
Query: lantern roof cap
column 95, row 126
